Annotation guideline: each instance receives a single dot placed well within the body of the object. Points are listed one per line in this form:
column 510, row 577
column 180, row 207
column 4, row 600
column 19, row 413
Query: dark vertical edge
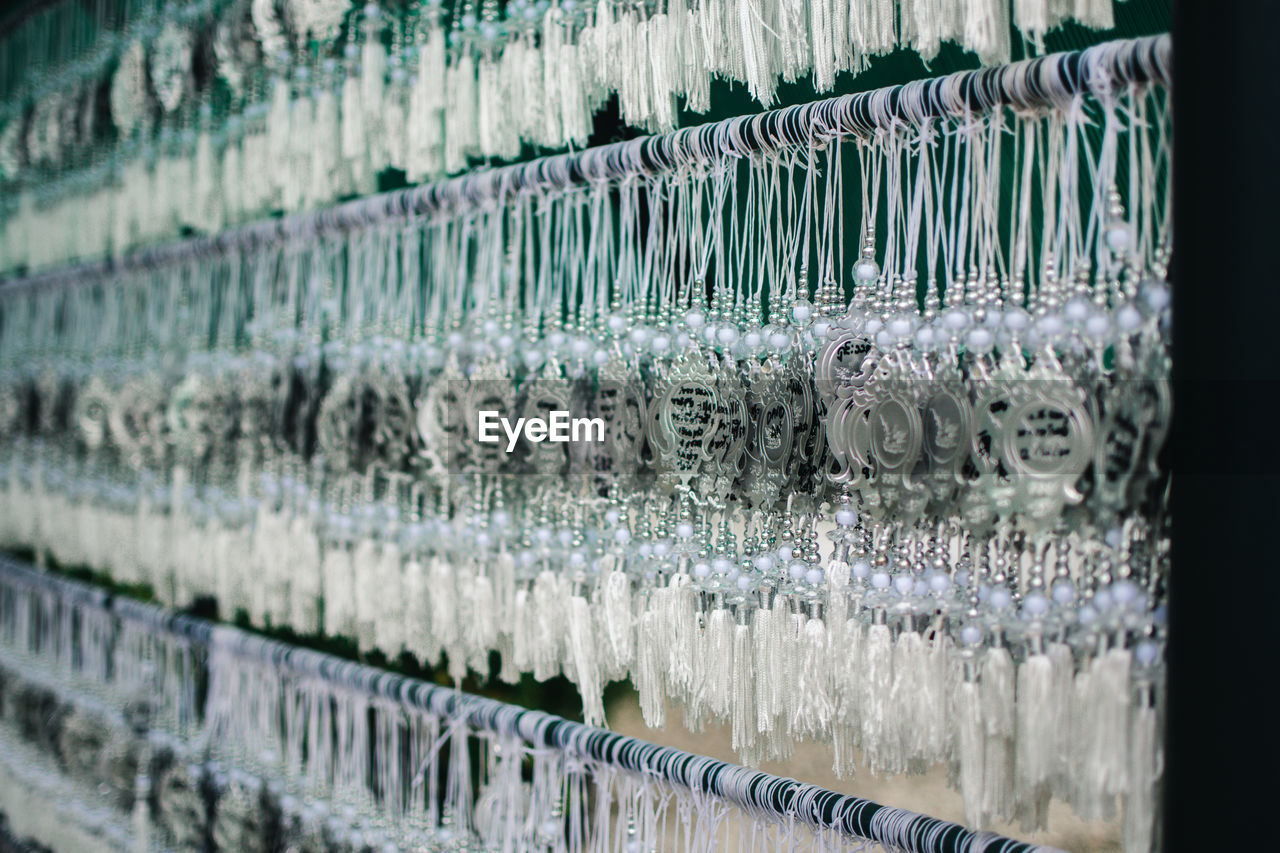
column 1222, row 737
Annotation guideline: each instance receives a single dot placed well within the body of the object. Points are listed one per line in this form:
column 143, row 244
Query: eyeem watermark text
column 560, row 427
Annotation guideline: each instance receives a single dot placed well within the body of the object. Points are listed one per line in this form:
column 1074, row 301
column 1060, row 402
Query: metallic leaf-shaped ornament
column 771, row 435
column 684, row 413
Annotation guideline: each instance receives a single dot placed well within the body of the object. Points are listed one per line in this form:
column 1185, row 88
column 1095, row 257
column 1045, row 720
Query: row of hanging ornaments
column 921, row 529
column 221, row 112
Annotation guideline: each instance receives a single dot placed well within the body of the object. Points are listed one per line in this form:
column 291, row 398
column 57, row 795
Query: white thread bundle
column 617, row 621
column 582, row 649
column 1037, row 739
column 998, row 716
column 877, row 666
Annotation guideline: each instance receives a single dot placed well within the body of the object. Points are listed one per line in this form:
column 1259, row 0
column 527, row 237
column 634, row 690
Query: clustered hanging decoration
column 880, row 384
column 285, row 748
column 219, row 111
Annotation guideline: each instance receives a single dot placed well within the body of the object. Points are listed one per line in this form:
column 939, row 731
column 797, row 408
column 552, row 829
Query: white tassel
column 986, row 29
column 998, row 718
column 1146, row 763
column 417, row 625
column 482, row 627
column 582, row 648
column 522, row 633
column 1037, row 740
column 877, row 668
column 443, row 590
column 460, row 112
column 714, row 658
column 364, row 561
column 1111, row 690
column 906, row 697
column 971, row 749
column 1032, row 19
column 743, row 710
column 815, row 709
column 339, row 592
column 279, row 141
column 650, row 669
column 548, row 622
column 389, row 623
column 618, row 624
column 305, row 582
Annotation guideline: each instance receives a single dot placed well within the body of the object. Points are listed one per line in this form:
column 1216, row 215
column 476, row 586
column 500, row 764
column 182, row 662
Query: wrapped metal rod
column 757, row 792
column 1028, row 84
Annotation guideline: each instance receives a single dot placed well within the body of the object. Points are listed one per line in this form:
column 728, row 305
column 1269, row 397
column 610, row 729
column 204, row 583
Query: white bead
column 764, row 562
column 611, row 517
column 780, row 340
column 866, row 271
column 846, row 517
column 1098, row 327
column 1119, row 237
column 1076, row 309
column 814, row 577
column 861, row 568
column 802, row 310
column 939, row 582
column 1128, row 317
column 785, row 552
column 999, row 598
column 684, row 530
column 797, row 570
column 873, row 325
column 744, row 582
column 1157, row 296
column 600, row 357
column 925, row 338
column 980, row 339
column 1036, row 604
column 753, row 340
column 1064, row 591
column 1146, row 653
column 617, row 323
column 622, row 536
column 580, row 347
column 884, row 340
column 971, row 635
column 534, row 358
column 727, row 334
column 661, row 548
column 1050, row 325
column 1016, row 319
column 821, row 329
column 701, row 570
column 722, row 565
column 904, row 584
column 660, row 344
column 956, row 319
column 640, row 335
column 695, row 319
column 880, row 580
column 1124, row 592
column 900, row 327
